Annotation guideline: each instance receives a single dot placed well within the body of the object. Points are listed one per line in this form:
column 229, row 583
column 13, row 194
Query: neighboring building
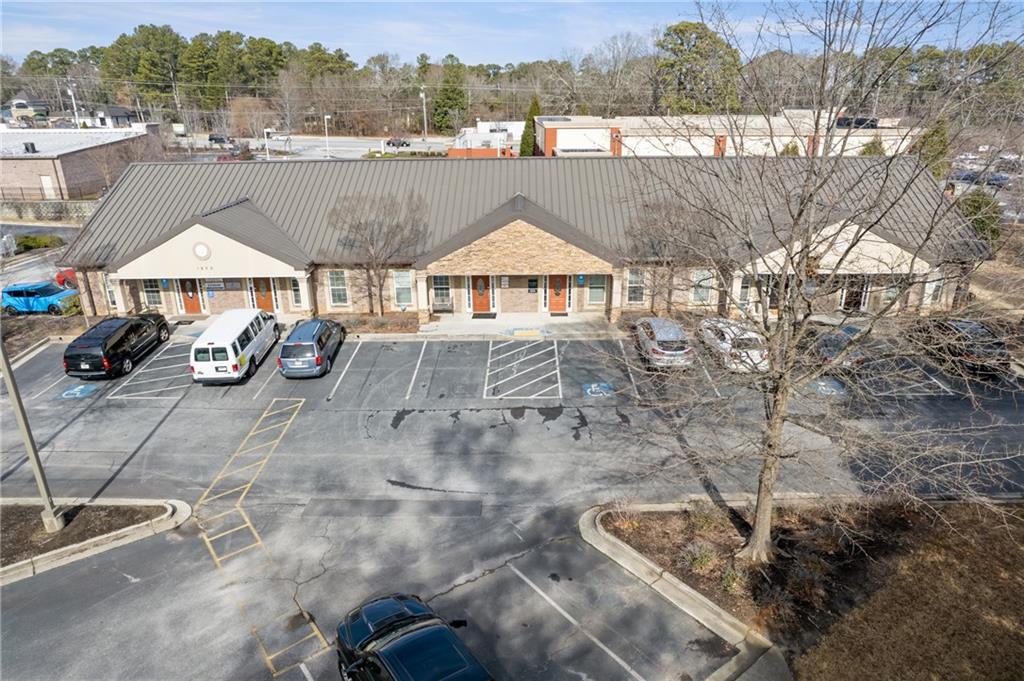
column 489, row 139
column 41, row 163
column 716, row 135
column 544, row 236
column 22, row 105
column 112, row 116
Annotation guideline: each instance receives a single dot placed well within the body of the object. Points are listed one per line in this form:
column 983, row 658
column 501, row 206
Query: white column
column 421, row 301
column 115, row 282
column 303, row 291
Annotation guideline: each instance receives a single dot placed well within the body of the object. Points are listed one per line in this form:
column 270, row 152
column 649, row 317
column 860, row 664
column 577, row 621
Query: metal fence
column 37, row 194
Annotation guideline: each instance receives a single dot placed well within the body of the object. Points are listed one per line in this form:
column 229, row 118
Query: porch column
column 615, row 298
column 303, row 292
column 422, row 303
column 119, row 298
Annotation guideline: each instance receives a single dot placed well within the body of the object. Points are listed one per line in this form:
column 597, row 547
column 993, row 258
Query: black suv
column 965, row 342
column 398, row 637
column 112, row 346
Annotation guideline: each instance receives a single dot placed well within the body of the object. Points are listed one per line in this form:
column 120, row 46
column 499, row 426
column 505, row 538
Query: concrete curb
column 175, row 513
column 419, row 337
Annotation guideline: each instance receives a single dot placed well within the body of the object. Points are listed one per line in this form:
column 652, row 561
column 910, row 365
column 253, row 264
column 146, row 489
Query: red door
column 556, row 293
column 481, row 293
column 263, row 293
column 190, row 296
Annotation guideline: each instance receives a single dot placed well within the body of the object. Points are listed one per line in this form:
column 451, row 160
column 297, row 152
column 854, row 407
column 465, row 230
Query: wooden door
column 190, row 296
column 263, row 293
column 481, row 293
column 557, row 293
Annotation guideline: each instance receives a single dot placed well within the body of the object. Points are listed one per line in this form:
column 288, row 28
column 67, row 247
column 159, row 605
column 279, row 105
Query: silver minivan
column 310, row 348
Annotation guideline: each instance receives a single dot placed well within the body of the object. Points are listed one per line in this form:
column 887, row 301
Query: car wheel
column 54, row 310
column 327, row 365
column 250, row 369
column 10, row 310
column 126, row 366
column 165, row 333
column 277, row 333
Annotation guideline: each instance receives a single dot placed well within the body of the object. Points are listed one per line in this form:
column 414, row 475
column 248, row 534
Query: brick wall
column 517, row 297
column 227, row 299
column 358, row 298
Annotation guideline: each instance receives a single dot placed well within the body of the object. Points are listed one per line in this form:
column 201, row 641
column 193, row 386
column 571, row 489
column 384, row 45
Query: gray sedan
column 662, row 343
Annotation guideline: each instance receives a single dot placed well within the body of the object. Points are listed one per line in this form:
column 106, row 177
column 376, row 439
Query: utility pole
column 53, row 520
column 74, row 107
column 327, row 139
column 423, row 98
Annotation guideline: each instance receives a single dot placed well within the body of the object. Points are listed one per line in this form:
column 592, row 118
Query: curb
column 175, row 513
column 418, row 337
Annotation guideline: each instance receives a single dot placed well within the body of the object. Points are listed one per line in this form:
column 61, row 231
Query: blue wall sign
column 579, row 279
column 165, row 284
column 78, row 392
column 598, row 389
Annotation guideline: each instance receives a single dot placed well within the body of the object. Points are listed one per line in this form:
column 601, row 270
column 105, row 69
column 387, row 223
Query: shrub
column 73, row 306
column 734, row 581
column 704, row 515
column 32, row 242
column 700, row 556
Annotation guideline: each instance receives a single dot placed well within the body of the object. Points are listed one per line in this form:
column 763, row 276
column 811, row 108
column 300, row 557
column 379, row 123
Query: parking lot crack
column 491, row 570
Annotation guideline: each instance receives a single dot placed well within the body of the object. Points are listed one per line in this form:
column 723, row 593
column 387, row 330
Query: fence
column 70, row 212
column 38, row 194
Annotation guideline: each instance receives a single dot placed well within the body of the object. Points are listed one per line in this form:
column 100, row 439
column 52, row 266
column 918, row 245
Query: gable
column 177, row 257
column 519, row 248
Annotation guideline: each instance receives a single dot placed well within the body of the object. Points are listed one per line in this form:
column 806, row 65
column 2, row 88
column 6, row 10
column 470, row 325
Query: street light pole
column 74, row 107
column 327, row 140
column 266, row 143
column 53, row 520
column 423, row 98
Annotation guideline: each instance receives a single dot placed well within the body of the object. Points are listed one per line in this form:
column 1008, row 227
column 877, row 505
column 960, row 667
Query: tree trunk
column 381, row 283
column 369, row 289
column 758, row 548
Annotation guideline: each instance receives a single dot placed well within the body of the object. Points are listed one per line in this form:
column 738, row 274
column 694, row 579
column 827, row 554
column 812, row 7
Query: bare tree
column 292, row 96
column 792, row 246
column 379, row 235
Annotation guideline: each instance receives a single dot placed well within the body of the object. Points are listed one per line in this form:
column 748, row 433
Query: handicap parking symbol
column 597, row 389
column 78, row 392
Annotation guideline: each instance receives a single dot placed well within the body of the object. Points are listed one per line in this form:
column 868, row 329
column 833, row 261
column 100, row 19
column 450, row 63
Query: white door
column 47, row 183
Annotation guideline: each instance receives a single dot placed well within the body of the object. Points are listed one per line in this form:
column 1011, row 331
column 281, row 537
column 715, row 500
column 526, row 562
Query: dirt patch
column 21, row 331
column 392, row 322
column 24, row 537
column 865, row 592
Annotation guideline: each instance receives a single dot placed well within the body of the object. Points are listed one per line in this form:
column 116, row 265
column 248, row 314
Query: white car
column 737, row 347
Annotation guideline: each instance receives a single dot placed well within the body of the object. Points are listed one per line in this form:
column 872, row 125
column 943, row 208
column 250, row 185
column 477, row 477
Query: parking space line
column 272, row 374
column 344, row 371
column 227, row 532
column 550, row 387
column 506, row 366
column 501, row 345
column 708, row 376
column 131, row 396
column 525, row 371
column 507, row 354
column 305, row 671
column 572, row 620
column 162, row 378
column 488, row 367
column 289, row 647
column 412, row 381
column 520, row 387
column 629, row 371
column 47, row 388
column 558, row 371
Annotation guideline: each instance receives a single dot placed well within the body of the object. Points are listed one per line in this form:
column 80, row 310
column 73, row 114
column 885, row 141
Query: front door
column 481, row 293
column 557, row 293
column 190, row 296
column 854, row 294
column 263, row 294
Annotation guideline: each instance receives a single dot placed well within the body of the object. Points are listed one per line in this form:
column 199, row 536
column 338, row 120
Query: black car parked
column 399, row 638
column 398, row 142
column 112, row 346
column 966, row 342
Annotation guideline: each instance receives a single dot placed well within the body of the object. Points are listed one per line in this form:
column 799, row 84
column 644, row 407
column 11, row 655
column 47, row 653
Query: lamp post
column 423, row 98
column 53, row 520
column 266, row 142
column 327, row 140
column 74, row 107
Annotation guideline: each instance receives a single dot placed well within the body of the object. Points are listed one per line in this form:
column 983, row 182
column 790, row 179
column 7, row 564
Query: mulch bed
column 860, row 592
column 23, row 535
column 21, row 331
column 391, row 322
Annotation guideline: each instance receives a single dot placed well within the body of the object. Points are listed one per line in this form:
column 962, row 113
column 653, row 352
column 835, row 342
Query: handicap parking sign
column 78, row 392
column 597, row 389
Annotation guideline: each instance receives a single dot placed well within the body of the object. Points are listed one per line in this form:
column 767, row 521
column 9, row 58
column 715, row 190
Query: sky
column 497, row 33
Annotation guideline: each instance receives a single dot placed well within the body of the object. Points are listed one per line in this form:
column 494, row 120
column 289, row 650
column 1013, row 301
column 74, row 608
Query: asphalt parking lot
column 452, row 469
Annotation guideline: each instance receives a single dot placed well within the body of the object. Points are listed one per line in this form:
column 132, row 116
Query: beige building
column 45, row 163
column 559, row 238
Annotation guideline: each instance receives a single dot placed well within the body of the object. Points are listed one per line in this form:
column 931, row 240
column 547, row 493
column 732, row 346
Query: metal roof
column 599, row 199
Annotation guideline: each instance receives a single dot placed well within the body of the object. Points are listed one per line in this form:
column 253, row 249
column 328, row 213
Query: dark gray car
column 310, row 348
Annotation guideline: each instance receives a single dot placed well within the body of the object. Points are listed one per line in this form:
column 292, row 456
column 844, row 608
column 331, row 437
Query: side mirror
column 356, row 666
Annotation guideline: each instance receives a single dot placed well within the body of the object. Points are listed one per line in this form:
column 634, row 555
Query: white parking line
column 47, row 388
column 132, row 396
column 629, row 371
column 520, row 387
column 573, row 621
column 501, row 345
column 412, row 381
column 506, row 366
column 344, row 371
column 526, row 371
column 558, row 371
column 162, row 378
column 708, row 376
column 507, row 354
column 272, row 374
column 130, row 379
column 305, row 671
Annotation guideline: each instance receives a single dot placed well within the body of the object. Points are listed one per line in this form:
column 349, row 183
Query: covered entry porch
column 489, row 296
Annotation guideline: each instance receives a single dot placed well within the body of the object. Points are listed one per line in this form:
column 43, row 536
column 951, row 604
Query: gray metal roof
column 598, row 199
column 51, row 143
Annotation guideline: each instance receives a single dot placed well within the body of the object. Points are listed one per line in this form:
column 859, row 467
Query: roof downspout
column 60, row 179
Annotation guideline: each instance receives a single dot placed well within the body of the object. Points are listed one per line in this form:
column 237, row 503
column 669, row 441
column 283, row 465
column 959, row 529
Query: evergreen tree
column 984, row 213
column 451, row 102
column 701, row 70
column 526, row 147
column 791, row 148
column 933, row 148
column 874, row 147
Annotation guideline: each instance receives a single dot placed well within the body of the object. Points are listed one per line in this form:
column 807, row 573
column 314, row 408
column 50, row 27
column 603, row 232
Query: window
column 339, row 290
column 442, row 286
column 531, row 285
column 244, row 339
column 202, row 355
column 220, row 354
column 745, row 292
column 595, row 289
column 151, row 291
column 702, row 281
column 296, row 293
column 635, row 286
column 108, row 286
column 890, row 293
column 403, row 287
column 933, row 291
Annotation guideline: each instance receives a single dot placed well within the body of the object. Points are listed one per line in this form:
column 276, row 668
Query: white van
column 232, row 347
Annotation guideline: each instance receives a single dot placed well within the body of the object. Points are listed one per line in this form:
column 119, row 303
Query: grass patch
column 28, row 242
column 861, row 592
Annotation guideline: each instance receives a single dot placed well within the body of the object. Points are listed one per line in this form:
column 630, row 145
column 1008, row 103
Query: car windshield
column 748, row 343
column 49, row 290
column 297, row 351
column 672, row 345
